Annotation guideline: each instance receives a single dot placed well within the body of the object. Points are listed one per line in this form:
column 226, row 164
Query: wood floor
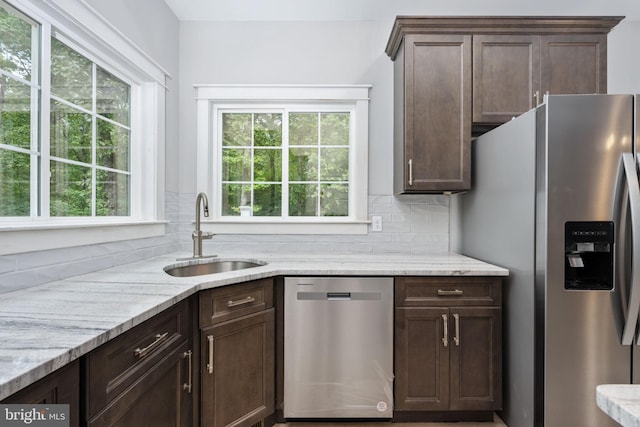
column 497, row 422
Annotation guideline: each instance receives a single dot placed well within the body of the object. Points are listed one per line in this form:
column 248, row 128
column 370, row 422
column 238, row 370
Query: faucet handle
column 207, row 235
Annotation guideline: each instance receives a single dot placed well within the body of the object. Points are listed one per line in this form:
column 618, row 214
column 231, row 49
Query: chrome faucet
column 198, row 234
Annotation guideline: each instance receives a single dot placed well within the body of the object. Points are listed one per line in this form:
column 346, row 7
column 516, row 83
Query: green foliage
column 252, row 163
column 72, row 186
column 14, row 189
column 15, row 44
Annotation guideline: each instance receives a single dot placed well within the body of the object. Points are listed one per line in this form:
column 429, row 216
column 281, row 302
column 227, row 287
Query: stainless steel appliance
column 338, row 347
column 555, row 200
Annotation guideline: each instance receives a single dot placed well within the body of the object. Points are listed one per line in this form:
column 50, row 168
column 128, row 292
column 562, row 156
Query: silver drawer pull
column 187, row 386
column 210, row 364
column 455, row 292
column 143, row 352
column 456, row 339
column 247, row 300
column 445, row 334
column 410, row 172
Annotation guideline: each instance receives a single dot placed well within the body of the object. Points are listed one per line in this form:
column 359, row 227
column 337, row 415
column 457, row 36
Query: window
column 89, row 138
column 284, row 158
column 72, row 127
column 19, row 85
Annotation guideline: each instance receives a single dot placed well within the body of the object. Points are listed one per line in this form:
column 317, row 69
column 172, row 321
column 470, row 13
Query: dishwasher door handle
column 338, row 296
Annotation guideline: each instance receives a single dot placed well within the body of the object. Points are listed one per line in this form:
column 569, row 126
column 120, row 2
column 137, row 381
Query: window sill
column 259, row 226
column 39, row 237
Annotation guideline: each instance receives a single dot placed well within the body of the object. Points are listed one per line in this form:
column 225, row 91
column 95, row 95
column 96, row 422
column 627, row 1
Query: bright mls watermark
column 34, row 415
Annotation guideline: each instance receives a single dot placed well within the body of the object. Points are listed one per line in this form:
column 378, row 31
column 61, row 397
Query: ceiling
column 368, row 10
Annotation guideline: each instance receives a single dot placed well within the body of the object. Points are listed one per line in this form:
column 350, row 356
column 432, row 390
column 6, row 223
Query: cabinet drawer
column 222, row 304
column 116, row 365
column 447, row 291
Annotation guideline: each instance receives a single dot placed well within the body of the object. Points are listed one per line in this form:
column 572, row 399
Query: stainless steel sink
column 211, row 267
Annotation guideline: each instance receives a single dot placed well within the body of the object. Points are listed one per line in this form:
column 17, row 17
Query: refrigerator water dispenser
column 588, row 249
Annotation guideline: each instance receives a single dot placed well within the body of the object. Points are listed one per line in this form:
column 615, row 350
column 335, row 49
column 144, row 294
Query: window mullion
column 284, row 179
column 44, row 138
column 94, row 134
column 253, row 145
column 319, row 189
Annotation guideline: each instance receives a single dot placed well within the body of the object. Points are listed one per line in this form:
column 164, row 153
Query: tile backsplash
column 411, row 225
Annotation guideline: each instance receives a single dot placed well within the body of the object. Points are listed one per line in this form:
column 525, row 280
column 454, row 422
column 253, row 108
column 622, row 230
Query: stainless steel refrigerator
column 555, row 200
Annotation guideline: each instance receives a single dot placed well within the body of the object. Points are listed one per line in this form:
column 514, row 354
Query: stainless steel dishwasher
column 338, row 347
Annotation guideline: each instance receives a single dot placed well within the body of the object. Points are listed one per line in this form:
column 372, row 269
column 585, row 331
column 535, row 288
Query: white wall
column 288, row 52
column 624, row 58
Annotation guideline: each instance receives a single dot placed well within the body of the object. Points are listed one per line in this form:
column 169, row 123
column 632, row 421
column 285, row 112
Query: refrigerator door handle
column 627, row 309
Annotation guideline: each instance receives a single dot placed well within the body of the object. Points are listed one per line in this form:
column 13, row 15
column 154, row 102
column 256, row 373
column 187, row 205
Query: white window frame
column 210, row 99
column 83, row 29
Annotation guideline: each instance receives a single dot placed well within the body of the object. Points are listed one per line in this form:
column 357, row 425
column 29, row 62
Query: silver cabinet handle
column 210, row 364
column 455, row 292
column 410, row 171
column 246, row 300
column 445, row 338
column 143, row 352
column 188, row 386
column 456, row 339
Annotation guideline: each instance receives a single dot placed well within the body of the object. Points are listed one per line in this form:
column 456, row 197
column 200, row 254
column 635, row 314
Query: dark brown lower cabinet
column 237, row 371
column 144, row 377
column 157, row 398
column 448, row 358
column 59, row 387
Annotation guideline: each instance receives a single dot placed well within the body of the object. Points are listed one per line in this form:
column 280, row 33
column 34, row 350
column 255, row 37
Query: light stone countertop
column 621, row 402
column 45, row 327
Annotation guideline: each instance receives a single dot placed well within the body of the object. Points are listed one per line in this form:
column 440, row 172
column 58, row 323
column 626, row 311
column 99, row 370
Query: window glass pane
column 303, row 129
column 234, row 196
column 267, row 200
column 236, row 164
column 303, row 200
column 15, row 113
column 14, row 183
column 70, row 133
column 236, row 129
column 15, row 44
column 334, row 200
column 267, row 130
column 112, row 194
column 334, row 128
column 113, row 145
column 71, row 75
column 267, row 165
column 112, row 97
column 334, row 164
column 70, row 189
column 303, row 164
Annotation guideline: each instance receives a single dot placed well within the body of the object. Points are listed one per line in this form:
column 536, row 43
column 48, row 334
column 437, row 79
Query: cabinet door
column 506, row 74
column 59, row 387
column 421, row 359
column 158, row 398
column 573, row 64
column 437, row 127
column 476, row 358
column 238, row 364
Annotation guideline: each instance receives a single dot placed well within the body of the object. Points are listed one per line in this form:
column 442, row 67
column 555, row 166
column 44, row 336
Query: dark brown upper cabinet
column 511, row 73
column 432, row 114
column 455, row 77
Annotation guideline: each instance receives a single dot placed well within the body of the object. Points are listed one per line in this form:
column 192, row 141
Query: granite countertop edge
column 621, row 402
column 48, row 326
